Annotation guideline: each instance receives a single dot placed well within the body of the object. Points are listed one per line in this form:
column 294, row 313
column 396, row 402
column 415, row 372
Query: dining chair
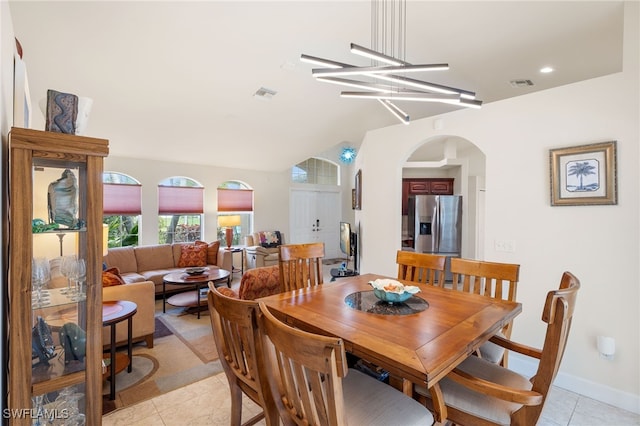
column 479, row 392
column 423, row 268
column 255, row 283
column 491, row 279
column 235, row 330
column 308, row 378
column 300, row 265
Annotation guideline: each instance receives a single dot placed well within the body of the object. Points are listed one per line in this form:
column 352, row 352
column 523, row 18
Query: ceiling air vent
column 264, row 93
column 521, row 83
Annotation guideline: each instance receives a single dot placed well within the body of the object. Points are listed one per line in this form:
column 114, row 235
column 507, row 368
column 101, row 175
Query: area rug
column 143, row 367
column 184, row 352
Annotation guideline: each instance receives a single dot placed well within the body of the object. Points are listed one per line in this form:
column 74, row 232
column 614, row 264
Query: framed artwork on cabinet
column 356, row 195
column 584, row 175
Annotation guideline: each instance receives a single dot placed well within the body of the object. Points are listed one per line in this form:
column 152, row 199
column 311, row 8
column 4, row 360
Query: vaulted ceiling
column 175, row 81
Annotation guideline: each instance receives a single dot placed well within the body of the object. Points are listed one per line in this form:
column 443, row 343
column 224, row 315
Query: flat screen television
column 349, row 243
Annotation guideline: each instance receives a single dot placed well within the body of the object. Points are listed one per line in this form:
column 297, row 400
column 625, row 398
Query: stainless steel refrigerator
column 435, row 225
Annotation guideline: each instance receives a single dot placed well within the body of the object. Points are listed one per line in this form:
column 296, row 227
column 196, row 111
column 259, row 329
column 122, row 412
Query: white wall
column 600, row 244
column 7, row 49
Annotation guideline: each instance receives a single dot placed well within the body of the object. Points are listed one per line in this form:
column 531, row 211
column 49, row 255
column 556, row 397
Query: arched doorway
column 453, row 157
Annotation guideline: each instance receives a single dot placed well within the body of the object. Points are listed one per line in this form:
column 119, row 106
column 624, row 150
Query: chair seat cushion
column 481, row 405
column 369, row 401
column 492, row 352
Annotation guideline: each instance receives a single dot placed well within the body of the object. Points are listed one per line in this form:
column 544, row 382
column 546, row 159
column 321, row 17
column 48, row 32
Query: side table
column 114, row 312
column 237, row 249
column 341, row 273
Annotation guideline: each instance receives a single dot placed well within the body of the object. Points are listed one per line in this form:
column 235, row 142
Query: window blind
column 180, row 200
column 121, row 199
column 235, row 200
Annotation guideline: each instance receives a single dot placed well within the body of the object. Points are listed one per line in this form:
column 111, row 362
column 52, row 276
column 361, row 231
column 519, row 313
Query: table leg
column 164, row 296
column 438, row 403
column 130, row 343
column 198, row 298
column 407, row 387
column 112, row 376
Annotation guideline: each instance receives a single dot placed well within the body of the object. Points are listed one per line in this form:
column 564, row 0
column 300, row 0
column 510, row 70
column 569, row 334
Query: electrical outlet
column 507, row 246
column 510, row 246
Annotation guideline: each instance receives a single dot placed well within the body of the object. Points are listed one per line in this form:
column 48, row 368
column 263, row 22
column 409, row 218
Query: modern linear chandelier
column 385, row 80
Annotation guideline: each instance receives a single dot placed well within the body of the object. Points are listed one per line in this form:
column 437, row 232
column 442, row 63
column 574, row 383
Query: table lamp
column 105, row 239
column 229, row 222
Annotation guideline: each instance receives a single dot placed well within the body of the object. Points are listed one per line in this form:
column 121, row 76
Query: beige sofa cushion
column 154, row 257
column 143, row 295
column 122, row 258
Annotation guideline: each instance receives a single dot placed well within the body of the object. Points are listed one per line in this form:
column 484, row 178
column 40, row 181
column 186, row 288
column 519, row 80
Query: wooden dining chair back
column 481, row 393
column 422, row 268
column 235, row 330
column 306, row 374
column 300, row 265
column 490, row 279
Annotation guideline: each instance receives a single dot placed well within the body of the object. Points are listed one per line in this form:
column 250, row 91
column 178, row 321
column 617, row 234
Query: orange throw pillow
column 111, row 277
column 212, row 252
column 193, row 255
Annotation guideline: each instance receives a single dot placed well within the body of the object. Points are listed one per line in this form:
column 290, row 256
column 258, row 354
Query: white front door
column 315, row 217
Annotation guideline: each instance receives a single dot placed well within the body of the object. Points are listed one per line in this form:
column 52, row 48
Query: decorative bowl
column 392, row 291
column 195, row 270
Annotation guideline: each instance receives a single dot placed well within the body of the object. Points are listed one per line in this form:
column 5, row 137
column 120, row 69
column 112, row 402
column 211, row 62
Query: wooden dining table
column 419, row 341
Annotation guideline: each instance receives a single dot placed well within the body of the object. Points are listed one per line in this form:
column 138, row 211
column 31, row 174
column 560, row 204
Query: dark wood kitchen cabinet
column 424, row 186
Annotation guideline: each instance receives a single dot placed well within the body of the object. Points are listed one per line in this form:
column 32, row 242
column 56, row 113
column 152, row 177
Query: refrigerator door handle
column 435, row 226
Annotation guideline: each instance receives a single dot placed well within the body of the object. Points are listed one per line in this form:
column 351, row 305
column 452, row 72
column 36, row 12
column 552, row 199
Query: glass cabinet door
column 58, row 289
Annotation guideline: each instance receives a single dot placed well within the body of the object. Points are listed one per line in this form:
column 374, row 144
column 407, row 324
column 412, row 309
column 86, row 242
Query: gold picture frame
column 584, row 175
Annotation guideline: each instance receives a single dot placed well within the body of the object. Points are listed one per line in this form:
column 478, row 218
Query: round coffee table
column 191, row 298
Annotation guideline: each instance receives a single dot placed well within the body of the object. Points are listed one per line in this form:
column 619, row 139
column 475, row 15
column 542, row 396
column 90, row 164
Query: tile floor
column 207, row 403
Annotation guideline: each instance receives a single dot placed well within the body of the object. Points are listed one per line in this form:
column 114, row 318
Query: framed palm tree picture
column 584, row 175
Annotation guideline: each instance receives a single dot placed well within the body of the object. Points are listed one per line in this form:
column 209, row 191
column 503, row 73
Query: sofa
column 153, row 262
column 262, row 248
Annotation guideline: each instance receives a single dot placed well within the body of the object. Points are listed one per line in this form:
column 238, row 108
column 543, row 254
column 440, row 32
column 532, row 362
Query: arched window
column 235, row 211
column 180, row 209
column 315, row 171
column 122, row 207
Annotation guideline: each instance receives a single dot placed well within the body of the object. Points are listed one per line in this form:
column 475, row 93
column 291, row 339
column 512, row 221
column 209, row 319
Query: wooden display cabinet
column 69, row 216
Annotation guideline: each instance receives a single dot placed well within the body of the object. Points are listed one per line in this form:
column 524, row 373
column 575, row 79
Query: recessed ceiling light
column 546, row 70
